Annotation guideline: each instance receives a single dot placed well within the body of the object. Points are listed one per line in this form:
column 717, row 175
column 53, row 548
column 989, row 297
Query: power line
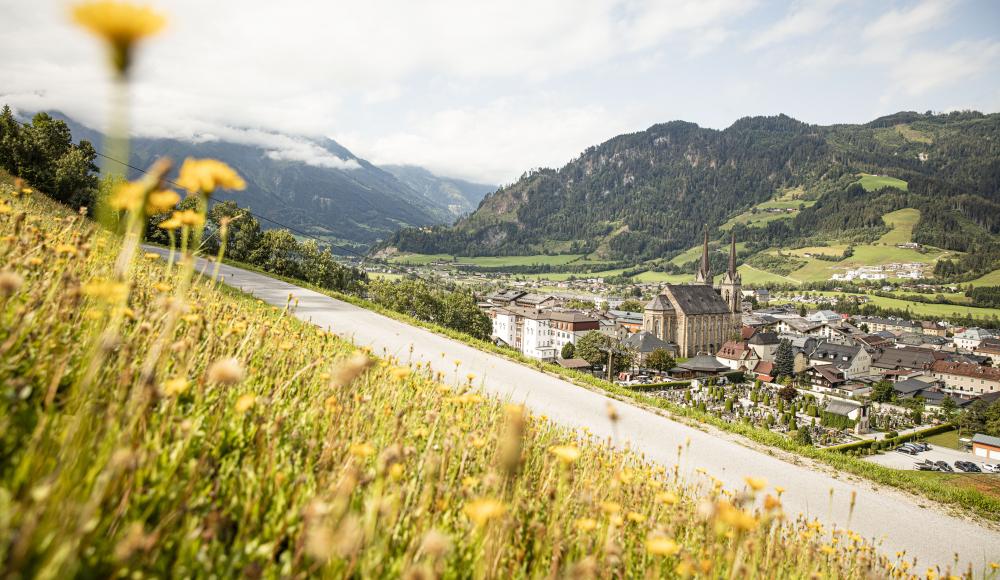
column 215, row 200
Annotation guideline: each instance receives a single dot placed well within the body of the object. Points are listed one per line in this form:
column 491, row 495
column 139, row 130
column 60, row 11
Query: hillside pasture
column 876, row 182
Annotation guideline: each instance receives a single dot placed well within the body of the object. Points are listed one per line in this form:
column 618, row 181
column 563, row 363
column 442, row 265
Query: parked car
column 906, row 450
column 927, row 466
column 968, row 467
column 943, row 466
column 920, row 446
column 990, row 467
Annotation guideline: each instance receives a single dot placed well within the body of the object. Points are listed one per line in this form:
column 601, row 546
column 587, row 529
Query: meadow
column 876, row 182
column 155, row 426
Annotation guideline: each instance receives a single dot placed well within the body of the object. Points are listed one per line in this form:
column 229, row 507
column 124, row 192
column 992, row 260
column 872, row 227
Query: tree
column 568, row 350
column 788, row 393
column 277, row 252
column 803, row 311
column 784, row 360
column 882, row 392
column 631, row 306
column 593, row 348
column 802, row 437
column 660, row 360
column 244, row 229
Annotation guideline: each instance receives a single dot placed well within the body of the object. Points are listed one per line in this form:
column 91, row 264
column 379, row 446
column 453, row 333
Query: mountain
column 649, row 194
column 315, row 186
column 460, row 197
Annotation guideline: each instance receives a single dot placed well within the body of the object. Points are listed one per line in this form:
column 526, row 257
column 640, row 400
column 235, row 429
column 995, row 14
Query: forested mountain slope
column 649, row 194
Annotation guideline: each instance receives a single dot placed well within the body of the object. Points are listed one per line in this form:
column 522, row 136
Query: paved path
column 899, row 520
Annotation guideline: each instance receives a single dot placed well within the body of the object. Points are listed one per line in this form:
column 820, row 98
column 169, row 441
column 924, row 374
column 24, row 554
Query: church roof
column 704, row 363
column 697, row 299
column 660, row 302
column 646, row 342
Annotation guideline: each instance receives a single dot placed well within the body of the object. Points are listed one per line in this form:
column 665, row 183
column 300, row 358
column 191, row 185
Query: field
column 156, row 424
column 876, row 182
column 486, row 261
column 991, row 279
column 902, row 223
column 921, row 309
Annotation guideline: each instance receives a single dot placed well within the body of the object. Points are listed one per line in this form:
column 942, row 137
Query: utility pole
column 610, row 350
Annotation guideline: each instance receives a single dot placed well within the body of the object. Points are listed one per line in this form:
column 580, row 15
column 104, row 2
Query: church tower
column 731, row 287
column 704, row 276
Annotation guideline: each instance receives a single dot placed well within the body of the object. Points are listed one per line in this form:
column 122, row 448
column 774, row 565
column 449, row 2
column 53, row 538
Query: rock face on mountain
column 317, row 185
column 649, row 194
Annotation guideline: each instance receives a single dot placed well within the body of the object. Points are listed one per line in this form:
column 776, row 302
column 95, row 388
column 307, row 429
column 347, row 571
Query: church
column 698, row 317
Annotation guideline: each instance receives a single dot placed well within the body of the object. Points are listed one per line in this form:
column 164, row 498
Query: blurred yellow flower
column 105, row 290
column 636, row 517
column 171, row 223
column 400, row 373
column 667, row 497
column 756, row 483
column 151, row 256
column 162, row 201
column 206, row 175
column 361, row 450
column 65, row 249
column 245, row 402
column 120, row 24
column 827, row 549
column 565, row 453
column 482, row 510
column 586, row 524
column 175, row 386
column 127, row 196
column 662, row 546
column 189, row 218
column 610, row 507
column 226, row 371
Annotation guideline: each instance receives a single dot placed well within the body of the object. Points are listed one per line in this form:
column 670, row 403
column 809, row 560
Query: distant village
column 725, row 333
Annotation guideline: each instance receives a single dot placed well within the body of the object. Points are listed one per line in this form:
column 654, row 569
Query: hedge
column 659, row 386
column 887, row 443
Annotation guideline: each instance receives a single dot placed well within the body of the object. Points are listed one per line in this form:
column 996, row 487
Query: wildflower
column 162, row 201
column 361, row 450
column 779, row 489
column 226, row 371
column 190, row 218
column 151, row 256
column 586, row 524
column 127, row 196
column 610, row 507
column 106, row 290
column 771, row 502
column 482, row 510
column 171, row 223
column 175, row 386
column 667, row 497
column 756, row 483
column 827, row 549
column 685, row 569
column 161, row 287
column 662, row 546
column 205, row 175
column 396, row 471
column 471, row 377
column 567, row 454
column 65, row 249
column 4, row 208
column 120, row 24
column 636, row 517
column 245, row 402
column 400, row 373
column 345, row 373
column 10, row 282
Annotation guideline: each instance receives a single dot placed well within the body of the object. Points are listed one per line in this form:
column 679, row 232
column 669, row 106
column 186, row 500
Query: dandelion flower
column 586, row 524
column 106, row 290
column 245, row 402
column 756, row 483
column 361, row 450
column 190, row 218
column 827, row 549
column 65, row 249
column 567, row 454
column 127, row 196
column 667, row 497
column 151, row 256
column 226, row 371
column 400, row 373
column 171, row 223
column 206, row 175
column 662, row 546
column 482, row 510
column 636, row 517
column 120, row 24
column 162, row 201
column 175, row 386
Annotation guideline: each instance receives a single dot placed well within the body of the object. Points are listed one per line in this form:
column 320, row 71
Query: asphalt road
column 898, row 520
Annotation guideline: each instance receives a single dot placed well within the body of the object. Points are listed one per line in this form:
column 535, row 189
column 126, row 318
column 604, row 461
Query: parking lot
column 899, row 460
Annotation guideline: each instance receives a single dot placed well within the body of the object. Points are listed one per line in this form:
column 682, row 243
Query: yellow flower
column 120, row 24
column 106, row 290
column 245, row 402
column 171, row 223
column 756, row 483
column 667, row 497
column 662, row 546
column 565, row 453
column 636, row 517
column 586, row 524
column 151, row 256
column 779, row 489
column 400, row 373
column 127, row 196
column 361, row 450
column 205, row 175
column 175, row 386
column 610, row 507
column 4, row 208
column 482, row 510
column 190, row 218
column 162, row 201
column 65, row 249
column 827, row 549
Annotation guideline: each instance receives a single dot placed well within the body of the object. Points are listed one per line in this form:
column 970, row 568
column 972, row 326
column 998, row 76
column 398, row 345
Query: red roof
column 747, row 331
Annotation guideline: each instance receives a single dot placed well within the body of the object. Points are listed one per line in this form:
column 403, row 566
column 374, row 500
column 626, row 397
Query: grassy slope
column 876, row 182
column 921, row 309
column 308, row 464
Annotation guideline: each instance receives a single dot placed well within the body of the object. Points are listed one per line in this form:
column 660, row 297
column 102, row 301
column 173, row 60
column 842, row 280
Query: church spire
column 732, row 257
column 704, row 275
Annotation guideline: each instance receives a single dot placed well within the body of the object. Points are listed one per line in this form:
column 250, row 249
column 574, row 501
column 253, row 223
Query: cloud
column 899, row 24
column 922, row 71
column 484, row 143
column 803, row 19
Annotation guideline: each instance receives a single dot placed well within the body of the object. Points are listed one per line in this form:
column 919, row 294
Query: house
column 924, row 340
column 990, row 347
column 760, row 321
column 764, row 344
column 760, row 294
column 902, row 359
column 505, row 297
column 736, row 354
column 874, row 342
column 893, row 325
column 933, row 328
column 970, row 338
column 986, row 446
column 797, row 325
column 853, row 411
column 966, row 378
column 764, row 371
column 540, row 334
column 824, row 316
column 644, row 343
column 825, row 378
column 630, row 321
column 854, row 361
column 538, row 301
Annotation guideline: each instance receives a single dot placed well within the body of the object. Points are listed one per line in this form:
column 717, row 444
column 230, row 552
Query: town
column 828, row 378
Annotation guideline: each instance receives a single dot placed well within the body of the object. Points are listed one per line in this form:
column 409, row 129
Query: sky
column 486, row 90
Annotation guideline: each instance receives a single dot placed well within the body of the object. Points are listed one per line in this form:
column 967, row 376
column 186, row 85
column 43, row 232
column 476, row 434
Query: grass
column 947, row 439
column 875, row 182
column 486, row 261
column 902, row 223
column 158, row 428
column 921, row 309
column 991, row 279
